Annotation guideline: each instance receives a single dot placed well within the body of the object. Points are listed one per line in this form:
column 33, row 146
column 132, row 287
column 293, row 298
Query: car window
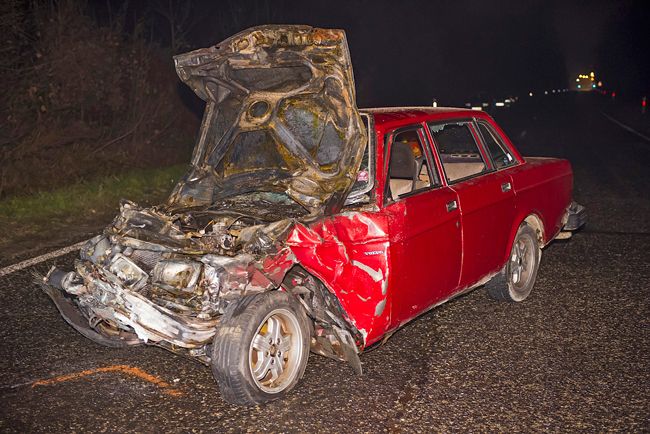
column 500, row 156
column 409, row 169
column 459, row 152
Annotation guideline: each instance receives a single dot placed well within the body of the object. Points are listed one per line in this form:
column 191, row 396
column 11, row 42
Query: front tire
column 261, row 347
column 517, row 279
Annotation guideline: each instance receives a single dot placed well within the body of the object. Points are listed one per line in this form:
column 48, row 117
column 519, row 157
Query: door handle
column 506, row 187
column 452, row 205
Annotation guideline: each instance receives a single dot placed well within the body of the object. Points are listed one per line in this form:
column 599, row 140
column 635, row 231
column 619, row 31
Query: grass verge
column 147, row 186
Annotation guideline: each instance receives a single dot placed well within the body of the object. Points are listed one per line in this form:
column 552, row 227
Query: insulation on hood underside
column 280, row 117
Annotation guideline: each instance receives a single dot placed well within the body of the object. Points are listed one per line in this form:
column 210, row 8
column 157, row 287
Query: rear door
column 424, row 226
column 485, row 195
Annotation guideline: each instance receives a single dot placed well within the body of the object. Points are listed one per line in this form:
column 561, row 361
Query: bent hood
column 280, row 117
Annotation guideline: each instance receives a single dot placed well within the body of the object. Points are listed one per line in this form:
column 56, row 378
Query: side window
column 500, row 156
column 409, row 169
column 458, row 150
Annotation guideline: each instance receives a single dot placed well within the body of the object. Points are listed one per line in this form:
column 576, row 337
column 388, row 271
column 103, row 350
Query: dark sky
column 407, row 52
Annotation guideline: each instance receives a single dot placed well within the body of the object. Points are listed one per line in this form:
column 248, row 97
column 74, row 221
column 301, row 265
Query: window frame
column 500, row 142
column 372, row 172
column 485, row 157
column 388, row 146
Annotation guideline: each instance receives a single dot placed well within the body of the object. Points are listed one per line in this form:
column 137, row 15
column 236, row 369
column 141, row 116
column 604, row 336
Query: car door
column 424, row 224
column 485, row 198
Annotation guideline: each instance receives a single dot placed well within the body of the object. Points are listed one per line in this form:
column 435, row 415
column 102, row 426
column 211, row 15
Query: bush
column 79, row 99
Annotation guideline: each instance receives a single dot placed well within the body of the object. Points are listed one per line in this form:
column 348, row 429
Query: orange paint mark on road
column 167, row 388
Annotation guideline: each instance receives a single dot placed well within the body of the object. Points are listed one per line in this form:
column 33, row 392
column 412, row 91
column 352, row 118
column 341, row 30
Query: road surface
column 573, row 357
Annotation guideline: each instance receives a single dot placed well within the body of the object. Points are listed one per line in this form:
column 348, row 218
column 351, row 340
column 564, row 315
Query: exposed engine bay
column 281, row 145
column 165, row 279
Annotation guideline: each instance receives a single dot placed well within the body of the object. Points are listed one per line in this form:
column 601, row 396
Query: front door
column 424, row 224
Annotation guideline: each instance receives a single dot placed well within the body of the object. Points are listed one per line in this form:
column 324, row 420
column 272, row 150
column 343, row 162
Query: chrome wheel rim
column 522, row 263
column 276, row 351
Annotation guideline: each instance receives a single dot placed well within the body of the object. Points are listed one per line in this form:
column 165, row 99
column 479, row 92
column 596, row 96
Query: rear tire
column 515, row 282
column 261, row 347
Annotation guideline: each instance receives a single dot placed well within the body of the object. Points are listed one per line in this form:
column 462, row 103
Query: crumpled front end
column 166, row 279
column 111, row 300
column 280, row 147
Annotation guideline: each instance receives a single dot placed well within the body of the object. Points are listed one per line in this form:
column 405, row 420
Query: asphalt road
column 573, row 357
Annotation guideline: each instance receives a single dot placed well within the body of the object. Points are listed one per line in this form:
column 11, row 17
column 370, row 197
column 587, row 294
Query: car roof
column 391, row 117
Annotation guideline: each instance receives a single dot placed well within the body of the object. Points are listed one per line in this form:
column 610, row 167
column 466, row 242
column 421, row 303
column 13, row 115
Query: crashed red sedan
column 304, row 224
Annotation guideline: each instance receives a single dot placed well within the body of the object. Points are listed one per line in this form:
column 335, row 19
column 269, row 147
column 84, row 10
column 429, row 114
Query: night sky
column 409, row 52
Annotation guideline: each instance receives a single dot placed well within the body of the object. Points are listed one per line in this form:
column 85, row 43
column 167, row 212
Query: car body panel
column 350, row 254
column 426, row 251
column 543, row 187
column 487, row 214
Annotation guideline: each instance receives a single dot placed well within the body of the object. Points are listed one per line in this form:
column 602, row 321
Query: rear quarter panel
column 543, row 187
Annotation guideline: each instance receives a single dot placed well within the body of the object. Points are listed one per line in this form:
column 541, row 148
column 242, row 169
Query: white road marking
column 626, row 128
column 37, row 260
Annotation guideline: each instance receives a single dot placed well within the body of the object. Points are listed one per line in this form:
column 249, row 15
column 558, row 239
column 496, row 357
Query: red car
column 305, row 224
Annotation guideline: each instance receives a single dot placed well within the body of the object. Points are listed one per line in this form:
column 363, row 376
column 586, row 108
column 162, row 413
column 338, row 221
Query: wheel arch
column 310, row 280
column 330, row 320
column 533, row 220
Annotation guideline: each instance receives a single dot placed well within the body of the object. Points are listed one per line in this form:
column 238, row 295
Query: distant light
column 593, row 86
column 579, row 86
column 546, row 91
column 591, row 74
column 485, row 104
column 577, row 79
column 499, row 104
column 553, row 91
column 479, row 108
column 530, row 94
column 435, row 103
column 600, row 84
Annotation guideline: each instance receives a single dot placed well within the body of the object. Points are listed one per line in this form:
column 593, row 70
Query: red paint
column 349, row 254
column 392, row 263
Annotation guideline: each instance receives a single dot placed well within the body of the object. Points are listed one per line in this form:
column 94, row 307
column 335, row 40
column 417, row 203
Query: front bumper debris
column 94, row 303
column 73, row 316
